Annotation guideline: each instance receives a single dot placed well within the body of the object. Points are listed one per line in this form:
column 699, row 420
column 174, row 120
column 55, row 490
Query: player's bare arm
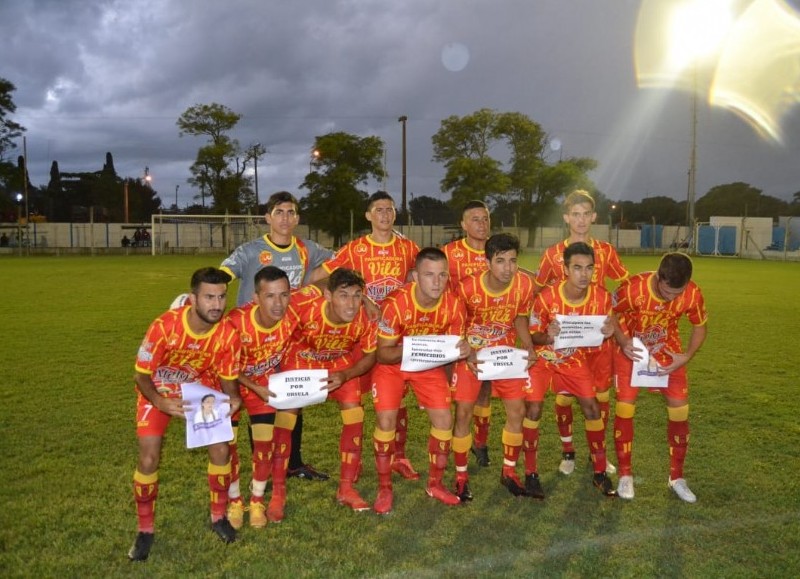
column 390, row 350
column 231, row 388
column 696, row 339
column 261, row 391
column 524, row 337
column 625, row 342
column 172, row 406
column 364, row 365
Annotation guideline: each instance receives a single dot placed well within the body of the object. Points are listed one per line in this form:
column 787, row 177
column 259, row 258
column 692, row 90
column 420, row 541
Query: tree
column 11, row 178
column 738, row 199
column 217, row 170
column 9, row 130
column 518, row 179
column 429, row 210
column 341, row 163
column 462, row 144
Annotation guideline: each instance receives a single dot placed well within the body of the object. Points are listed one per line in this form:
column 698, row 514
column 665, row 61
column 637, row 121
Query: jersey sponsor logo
column 654, row 338
column 378, row 293
column 325, row 356
column 385, row 268
column 263, row 367
column 385, row 328
column 167, row 375
column 265, row 258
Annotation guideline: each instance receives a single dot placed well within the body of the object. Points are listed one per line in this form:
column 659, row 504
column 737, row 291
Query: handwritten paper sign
column 502, row 362
column 579, row 331
column 426, row 352
column 297, row 388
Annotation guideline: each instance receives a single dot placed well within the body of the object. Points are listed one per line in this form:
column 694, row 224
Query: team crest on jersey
column 458, row 254
column 639, row 301
column 313, row 326
column 361, row 249
column 246, row 338
column 265, row 258
column 407, row 316
column 475, row 300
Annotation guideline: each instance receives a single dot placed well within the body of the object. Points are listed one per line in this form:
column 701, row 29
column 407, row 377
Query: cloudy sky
column 111, row 75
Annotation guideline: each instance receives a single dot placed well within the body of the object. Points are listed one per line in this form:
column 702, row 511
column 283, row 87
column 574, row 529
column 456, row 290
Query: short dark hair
column 210, row 275
column 429, row 253
column 379, row 196
column 578, row 248
column 207, row 396
column 675, row 269
column 282, row 197
column 343, row 277
column 269, row 273
column 474, row 204
column 500, row 242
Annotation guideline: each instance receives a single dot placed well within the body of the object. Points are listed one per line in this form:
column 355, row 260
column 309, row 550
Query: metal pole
column 255, row 171
column 125, row 199
column 692, row 160
column 403, row 120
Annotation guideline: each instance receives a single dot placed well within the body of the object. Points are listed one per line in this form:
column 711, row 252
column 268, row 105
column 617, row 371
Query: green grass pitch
column 70, row 330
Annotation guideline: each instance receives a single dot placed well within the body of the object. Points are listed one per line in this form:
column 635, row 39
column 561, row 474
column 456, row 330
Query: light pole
column 19, row 222
column 255, row 171
column 315, row 154
column 176, row 198
column 404, row 206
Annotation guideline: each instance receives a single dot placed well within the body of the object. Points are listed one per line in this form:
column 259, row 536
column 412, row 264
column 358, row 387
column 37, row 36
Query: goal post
column 203, row 233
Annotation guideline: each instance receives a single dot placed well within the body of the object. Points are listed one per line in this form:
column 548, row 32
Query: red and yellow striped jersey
column 463, row 261
column 490, row 316
column 261, row 348
column 319, row 343
column 402, row 315
column 653, row 320
column 173, row 354
column 385, row 266
column 551, row 302
column 606, row 264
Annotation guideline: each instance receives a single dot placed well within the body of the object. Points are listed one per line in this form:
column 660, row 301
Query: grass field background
column 69, row 336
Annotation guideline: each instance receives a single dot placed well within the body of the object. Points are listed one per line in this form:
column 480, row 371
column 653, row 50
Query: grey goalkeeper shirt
column 299, row 259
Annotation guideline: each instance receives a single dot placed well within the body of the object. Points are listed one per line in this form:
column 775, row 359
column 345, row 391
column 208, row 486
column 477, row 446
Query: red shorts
column 253, row 403
column 150, row 421
column 575, row 380
column 601, row 362
column 348, row 392
column 677, row 388
column 466, row 386
column 389, row 386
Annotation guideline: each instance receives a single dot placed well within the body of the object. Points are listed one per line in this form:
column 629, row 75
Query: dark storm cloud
column 97, row 76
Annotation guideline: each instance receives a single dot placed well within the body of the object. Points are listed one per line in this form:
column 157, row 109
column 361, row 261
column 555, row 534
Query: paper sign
column 207, row 420
column 502, row 362
column 645, row 371
column 579, row 331
column 426, row 352
column 297, row 388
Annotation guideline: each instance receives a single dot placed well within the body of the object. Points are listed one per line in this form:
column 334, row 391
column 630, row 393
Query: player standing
column 184, row 345
column 385, row 259
column 329, row 328
column 298, row 258
column 579, row 214
column 422, row 307
column 498, row 303
column 569, row 370
column 650, row 306
column 465, row 257
column 264, row 332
